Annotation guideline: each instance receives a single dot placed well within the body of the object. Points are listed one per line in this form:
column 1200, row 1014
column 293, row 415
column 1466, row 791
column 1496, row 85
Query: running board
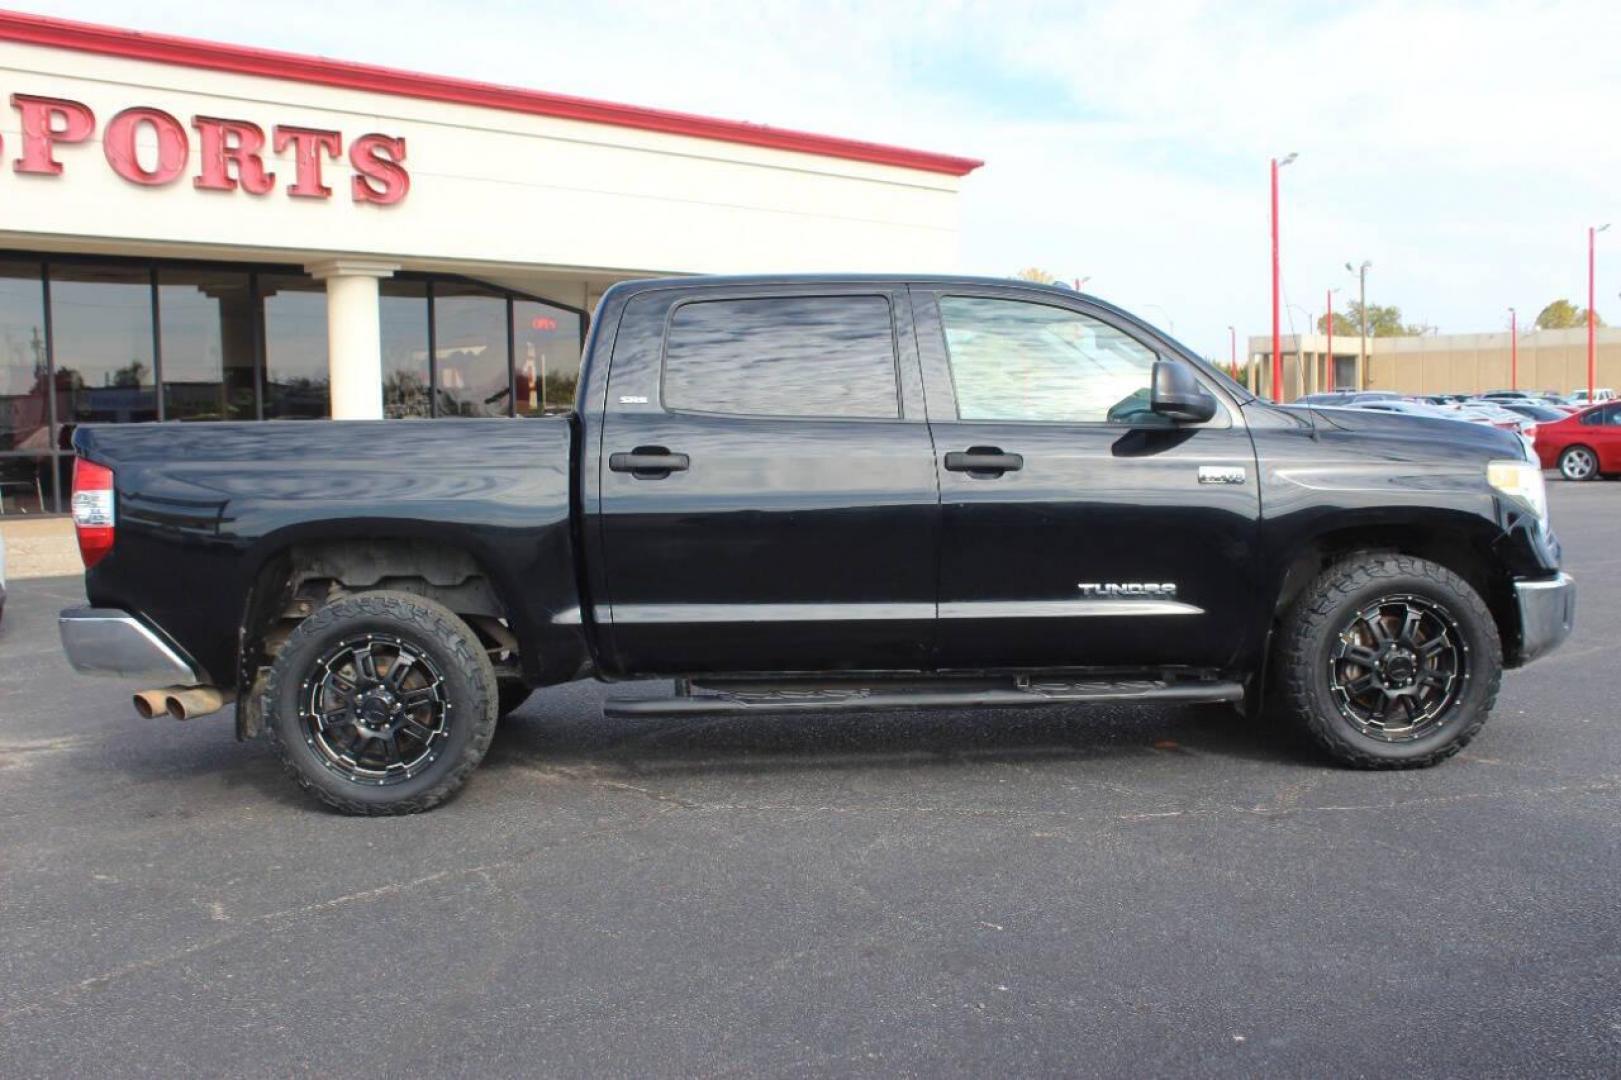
column 714, row 700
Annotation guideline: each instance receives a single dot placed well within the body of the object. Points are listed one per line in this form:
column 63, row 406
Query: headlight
column 1522, row 482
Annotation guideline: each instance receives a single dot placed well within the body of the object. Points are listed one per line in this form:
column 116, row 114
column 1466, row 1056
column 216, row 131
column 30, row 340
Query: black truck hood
column 1490, row 441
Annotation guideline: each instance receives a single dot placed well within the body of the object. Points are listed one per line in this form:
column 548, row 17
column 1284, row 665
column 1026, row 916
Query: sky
column 1462, row 148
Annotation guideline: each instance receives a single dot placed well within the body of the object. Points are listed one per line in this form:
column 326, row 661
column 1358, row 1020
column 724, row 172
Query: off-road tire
column 1570, row 453
column 511, row 694
column 424, row 624
column 1313, row 624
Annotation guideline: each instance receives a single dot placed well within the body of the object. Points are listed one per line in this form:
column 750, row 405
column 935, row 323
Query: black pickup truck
column 814, row 494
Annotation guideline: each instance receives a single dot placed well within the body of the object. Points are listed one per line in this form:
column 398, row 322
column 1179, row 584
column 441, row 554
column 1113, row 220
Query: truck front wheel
column 1390, row 662
column 382, row 703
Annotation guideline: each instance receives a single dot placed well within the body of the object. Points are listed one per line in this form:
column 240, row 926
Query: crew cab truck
column 813, row 494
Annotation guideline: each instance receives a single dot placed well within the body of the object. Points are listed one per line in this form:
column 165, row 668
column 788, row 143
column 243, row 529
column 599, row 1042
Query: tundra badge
column 1126, row 589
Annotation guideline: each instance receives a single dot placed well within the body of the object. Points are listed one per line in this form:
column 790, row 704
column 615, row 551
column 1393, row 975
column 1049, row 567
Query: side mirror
column 1178, row 394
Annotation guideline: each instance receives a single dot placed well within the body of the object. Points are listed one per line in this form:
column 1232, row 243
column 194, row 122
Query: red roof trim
column 190, row 52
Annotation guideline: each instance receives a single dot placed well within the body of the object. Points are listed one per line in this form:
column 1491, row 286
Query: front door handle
column 649, row 462
column 983, row 461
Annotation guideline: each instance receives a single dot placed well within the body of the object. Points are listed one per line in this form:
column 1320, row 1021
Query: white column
column 354, row 335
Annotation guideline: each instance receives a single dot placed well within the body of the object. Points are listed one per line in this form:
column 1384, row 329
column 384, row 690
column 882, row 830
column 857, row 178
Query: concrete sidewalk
column 40, row 547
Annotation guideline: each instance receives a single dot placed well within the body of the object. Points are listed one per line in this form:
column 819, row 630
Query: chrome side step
column 720, row 698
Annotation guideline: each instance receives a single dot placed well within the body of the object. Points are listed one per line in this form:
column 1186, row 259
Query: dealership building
column 193, row 231
column 1420, row 364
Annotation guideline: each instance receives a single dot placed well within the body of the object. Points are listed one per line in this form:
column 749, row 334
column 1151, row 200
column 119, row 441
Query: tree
column 1343, row 327
column 1037, row 275
column 1563, row 315
column 1383, row 321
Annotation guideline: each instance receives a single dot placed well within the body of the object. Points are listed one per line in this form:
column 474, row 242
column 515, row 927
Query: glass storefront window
column 78, row 344
column 27, row 485
column 101, row 337
column 404, row 312
column 24, row 410
column 470, row 347
column 205, row 324
column 546, row 357
column 296, row 381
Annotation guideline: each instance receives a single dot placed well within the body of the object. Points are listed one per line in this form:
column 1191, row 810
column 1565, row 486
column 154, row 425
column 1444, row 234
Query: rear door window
column 789, row 356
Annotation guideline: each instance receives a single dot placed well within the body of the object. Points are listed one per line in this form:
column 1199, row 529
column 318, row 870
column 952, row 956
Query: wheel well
column 1456, row 549
column 292, row 584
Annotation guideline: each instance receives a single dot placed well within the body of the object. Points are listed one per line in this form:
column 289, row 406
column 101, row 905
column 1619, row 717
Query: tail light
column 1529, row 431
column 93, row 515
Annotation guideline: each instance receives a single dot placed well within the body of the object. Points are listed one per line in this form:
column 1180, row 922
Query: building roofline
column 268, row 63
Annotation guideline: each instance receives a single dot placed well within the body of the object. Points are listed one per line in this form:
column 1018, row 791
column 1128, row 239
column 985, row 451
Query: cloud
column 1463, row 148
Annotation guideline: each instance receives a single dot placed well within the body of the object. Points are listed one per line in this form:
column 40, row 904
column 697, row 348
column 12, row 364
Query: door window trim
column 894, row 352
column 1227, row 414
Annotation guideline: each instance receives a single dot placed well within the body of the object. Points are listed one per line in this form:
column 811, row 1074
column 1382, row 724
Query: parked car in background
column 1509, row 395
column 1539, row 412
column 1409, row 408
column 1444, row 399
column 1490, row 412
column 1583, row 446
column 1579, row 397
column 1347, row 397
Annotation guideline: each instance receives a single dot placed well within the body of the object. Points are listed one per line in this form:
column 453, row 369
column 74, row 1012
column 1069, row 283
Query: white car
column 1602, row 393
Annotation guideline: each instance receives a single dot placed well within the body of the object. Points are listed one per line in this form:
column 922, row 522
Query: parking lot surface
column 1078, row 891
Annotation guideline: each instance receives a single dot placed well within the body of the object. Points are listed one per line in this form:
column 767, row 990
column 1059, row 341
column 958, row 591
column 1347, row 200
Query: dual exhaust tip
column 181, row 702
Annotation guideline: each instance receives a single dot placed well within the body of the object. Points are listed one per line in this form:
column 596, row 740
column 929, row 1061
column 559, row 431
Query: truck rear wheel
column 382, row 703
column 1390, row 662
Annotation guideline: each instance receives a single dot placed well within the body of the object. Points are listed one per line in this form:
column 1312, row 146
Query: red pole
column 1277, row 336
column 1328, row 375
column 1592, row 352
column 1513, row 349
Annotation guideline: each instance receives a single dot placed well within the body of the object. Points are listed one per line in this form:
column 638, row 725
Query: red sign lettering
column 118, row 142
column 224, row 143
column 308, row 144
column 380, row 175
column 231, row 154
column 46, row 122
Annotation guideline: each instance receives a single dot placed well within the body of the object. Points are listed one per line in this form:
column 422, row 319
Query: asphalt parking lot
column 1103, row 891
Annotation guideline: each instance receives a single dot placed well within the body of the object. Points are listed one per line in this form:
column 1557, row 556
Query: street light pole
column 1513, row 349
column 1277, row 335
column 1328, row 366
column 1592, row 340
column 1362, row 355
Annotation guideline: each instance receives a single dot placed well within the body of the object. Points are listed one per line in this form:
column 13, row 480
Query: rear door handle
column 649, row 462
column 983, row 461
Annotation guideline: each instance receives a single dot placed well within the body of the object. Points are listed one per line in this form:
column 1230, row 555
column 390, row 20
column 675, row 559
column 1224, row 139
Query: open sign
column 542, row 322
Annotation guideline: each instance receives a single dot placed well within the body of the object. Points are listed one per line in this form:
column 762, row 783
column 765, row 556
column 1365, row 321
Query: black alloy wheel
column 375, row 710
column 381, row 703
column 1400, row 665
column 1388, row 661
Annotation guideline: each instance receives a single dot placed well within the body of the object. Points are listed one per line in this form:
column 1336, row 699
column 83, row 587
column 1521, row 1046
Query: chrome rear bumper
column 107, row 641
column 1547, row 614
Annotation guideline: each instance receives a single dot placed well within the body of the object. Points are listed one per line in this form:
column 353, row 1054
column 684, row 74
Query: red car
column 1585, row 445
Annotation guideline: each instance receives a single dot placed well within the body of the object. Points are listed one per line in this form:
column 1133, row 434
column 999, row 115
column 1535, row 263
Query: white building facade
column 198, row 231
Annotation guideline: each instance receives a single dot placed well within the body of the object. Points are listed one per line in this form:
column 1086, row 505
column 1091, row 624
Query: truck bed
column 215, row 504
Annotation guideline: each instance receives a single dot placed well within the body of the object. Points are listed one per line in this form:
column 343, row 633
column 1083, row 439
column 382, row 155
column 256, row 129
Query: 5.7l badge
column 1222, row 474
